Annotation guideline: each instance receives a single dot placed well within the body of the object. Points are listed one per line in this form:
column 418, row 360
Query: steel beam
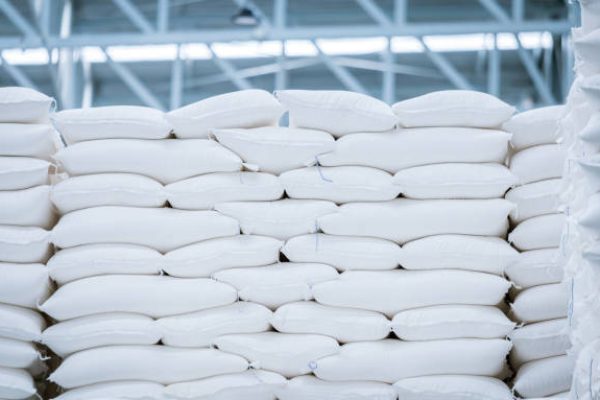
column 67, row 77
column 16, row 74
column 341, row 73
column 380, row 66
column 280, row 21
column 400, row 12
column 162, row 15
column 87, row 95
column 176, row 81
column 547, row 58
column 446, row 68
column 134, row 83
column 288, row 33
column 261, row 70
column 134, row 15
column 229, row 70
column 375, row 12
column 518, row 10
column 17, row 19
column 388, row 81
column 526, row 58
column 43, row 14
column 494, row 70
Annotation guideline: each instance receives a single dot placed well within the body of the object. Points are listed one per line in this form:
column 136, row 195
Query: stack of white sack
column 447, row 335
column 540, row 345
column 27, row 140
column 376, row 331
column 305, row 331
column 580, row 131
column 124, row 328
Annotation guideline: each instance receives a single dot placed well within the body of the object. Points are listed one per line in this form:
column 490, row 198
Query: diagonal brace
column 134, row 15
column 134, row 83
column 340, row 72
column 229, row 70
column 446, row 68
column 526, row 58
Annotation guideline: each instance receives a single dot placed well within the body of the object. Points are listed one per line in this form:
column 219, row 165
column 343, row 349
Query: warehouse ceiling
column 165, row 53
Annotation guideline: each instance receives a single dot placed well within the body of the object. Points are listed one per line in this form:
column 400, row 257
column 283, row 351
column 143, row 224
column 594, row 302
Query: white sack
column 163, row 229
column 160, row 364
column 130, row 390
column 111, row 122
column 343, row 252
column 339, row 184
column 336, row 111
column 541, row 303
column 166, row 160
column 544, row 377
column 450, row 322
column 590, row 15
column 535, row 199
column 24, row 285
column 287, row 354
column 534, row 127
column 24, row 105
column 543, row 231
column 155, row 296
column 28, row 140
column 308, row 387
column 586, row 367
column 452, row 387
column 453, row 108
column 475, row 253
column 248, row 385
column 591, row 89
column 592, row 253
column 204, row 191
column 17, row 353
column 207, row 257
column 419, row 146
column 390, row 360
column 590, row 218
column 591, row 171
column 89, row 260
column 276, row 149
column 16, row 384
column 536, row 267
column 538, row 163
column 455, row 181
column 22, row 173
column 242, row 109
column 390, row 292
column 199, row 329
column 24, row 244
column 343, row 324
column 591, row 132
column 586, row 45
column 87, row 191
column 277, row 284
column 279, row 219
column 562, row 395
column 100, row 330
column 20, row 323
column 27, row 207
column 403, row 220
column 539, row 340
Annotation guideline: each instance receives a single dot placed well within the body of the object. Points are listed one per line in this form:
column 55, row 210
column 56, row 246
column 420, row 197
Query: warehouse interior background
column 167, row 53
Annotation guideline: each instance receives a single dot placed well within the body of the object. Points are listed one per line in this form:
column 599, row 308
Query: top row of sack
column 336, row 112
